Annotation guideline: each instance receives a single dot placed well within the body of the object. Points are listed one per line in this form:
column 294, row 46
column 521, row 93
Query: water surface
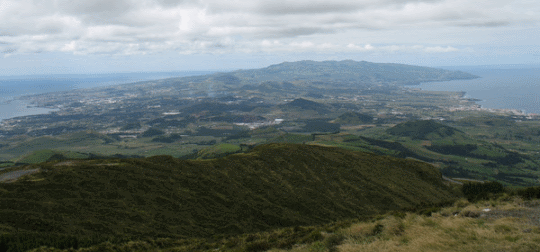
column 498, row 88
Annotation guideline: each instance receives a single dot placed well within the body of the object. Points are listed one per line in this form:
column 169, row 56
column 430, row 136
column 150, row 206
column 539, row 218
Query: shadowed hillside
column 272, row 186
column 304, row 104
column 422, row 130
column 464, row 155
column 354, row 118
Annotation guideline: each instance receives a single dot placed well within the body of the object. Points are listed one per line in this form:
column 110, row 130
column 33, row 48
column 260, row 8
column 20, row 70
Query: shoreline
column 21, row 108
column 507, row 93
column 479, row 107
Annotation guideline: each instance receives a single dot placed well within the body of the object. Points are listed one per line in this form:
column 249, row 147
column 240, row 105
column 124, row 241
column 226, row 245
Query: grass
column 291, row 138
column 218, row 150
column 6, row 164
column 41, row 156
column 440, row 232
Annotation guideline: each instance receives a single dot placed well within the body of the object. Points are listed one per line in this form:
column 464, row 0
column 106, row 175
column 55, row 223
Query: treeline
column 24, row 241
column 474, row 191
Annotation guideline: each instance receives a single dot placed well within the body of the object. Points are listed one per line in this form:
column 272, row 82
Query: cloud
column 438, row 49
column 367, row 47
column 217, row 26
column 8, row 51
column 485, row 23
column 403, row 48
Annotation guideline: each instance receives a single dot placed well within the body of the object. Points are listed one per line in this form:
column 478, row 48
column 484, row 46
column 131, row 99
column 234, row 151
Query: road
column 451, row 180
column 14, row 175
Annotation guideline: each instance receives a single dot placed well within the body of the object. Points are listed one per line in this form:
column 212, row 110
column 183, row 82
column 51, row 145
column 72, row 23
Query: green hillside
column 218, row 150
column 293, row 75
column 348, row 71
column 50, row 155
column 274, row 185
column 424, row 130
column 447, row 140
column 63, row 143
column 354, row 118
column 305, row 104
column 463, row 155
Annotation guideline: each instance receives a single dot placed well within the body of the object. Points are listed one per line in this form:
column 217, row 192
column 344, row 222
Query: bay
column 497, row 88
column 12, row 87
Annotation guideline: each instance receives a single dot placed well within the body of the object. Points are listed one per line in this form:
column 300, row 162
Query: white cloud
column 367, row 47
column 217, row 26
column 440, row 49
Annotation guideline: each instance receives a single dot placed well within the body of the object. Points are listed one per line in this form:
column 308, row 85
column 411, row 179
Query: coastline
column 18, row 89
column 16, row 107
column 505, row 111
column 509, row 91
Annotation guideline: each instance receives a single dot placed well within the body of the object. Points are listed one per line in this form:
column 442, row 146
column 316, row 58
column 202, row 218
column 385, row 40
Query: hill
column 50, row 155
column 331, row 73
column 33, row 148
column 217, row 150
column 305, row 104
column 349, row 71
column 422, row 130
column 274, row 185
column 354, row 118
column 463, row 155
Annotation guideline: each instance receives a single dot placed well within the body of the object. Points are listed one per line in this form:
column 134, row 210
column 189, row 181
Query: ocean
column 497, row 88
column 12, row 87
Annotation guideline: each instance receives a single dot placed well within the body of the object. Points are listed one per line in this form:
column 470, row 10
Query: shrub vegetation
column 161, row 197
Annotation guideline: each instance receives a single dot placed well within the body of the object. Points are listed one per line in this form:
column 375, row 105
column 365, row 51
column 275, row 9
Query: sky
column 105, row 36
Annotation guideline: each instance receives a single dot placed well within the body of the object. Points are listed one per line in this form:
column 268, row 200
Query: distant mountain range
column 346, row 71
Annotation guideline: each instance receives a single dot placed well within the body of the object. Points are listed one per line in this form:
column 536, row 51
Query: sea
column 498, row 88
column 12, row 87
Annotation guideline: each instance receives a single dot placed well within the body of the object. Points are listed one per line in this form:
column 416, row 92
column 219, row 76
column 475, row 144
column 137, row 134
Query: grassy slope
column 67, row 141
column 273, row 186
column 354, row 118
column 218, row 150
column 450, row 229
column 46, row 155
column 95, row 143
column 479, row 158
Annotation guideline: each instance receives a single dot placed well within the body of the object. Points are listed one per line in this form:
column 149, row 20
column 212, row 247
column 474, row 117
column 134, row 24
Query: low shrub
column 398, row 214
column 312, row 237
column 429, row 211
column 257, row 246
column 461, row 203
column 502, row 229
column 481, row 191
column 470, row 214
column 332, row 241
column 377, row 229
column 529, row 192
